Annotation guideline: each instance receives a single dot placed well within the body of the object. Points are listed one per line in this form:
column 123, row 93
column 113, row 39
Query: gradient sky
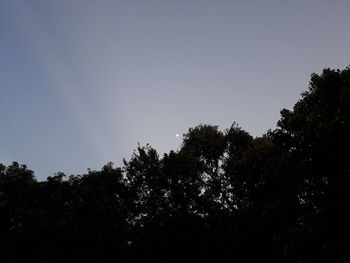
column 82, row 82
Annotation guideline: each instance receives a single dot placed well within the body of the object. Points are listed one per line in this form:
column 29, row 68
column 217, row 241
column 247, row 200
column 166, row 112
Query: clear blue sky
column 82, row 82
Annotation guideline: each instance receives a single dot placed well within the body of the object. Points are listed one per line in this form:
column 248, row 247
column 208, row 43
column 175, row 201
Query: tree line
column 281, row 197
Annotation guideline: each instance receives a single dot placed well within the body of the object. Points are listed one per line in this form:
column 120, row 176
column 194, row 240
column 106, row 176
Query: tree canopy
column 281, row 197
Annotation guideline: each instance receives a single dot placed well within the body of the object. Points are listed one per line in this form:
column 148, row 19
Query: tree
column 282, row 197
column 315, row 139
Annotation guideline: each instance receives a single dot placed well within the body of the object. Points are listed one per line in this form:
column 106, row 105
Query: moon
column 177, row 135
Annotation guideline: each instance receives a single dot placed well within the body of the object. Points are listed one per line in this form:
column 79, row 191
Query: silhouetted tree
column 282, row 197
column 315, row 137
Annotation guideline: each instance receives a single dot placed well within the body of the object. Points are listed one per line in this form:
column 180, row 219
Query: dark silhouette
column 282, row 197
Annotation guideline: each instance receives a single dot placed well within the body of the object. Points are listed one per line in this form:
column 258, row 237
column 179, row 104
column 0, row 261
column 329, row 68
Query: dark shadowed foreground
column 283, row 197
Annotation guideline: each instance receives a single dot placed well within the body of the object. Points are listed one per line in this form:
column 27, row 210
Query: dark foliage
column 282, row 197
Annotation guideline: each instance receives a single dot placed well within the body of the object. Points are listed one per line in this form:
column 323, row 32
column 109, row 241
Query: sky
column 83, row 82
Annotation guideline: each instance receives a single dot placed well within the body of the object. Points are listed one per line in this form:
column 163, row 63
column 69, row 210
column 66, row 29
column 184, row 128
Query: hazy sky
column 82, row 82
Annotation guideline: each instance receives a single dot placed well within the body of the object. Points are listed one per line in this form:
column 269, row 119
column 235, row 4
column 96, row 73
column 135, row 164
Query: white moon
column 177, row 135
